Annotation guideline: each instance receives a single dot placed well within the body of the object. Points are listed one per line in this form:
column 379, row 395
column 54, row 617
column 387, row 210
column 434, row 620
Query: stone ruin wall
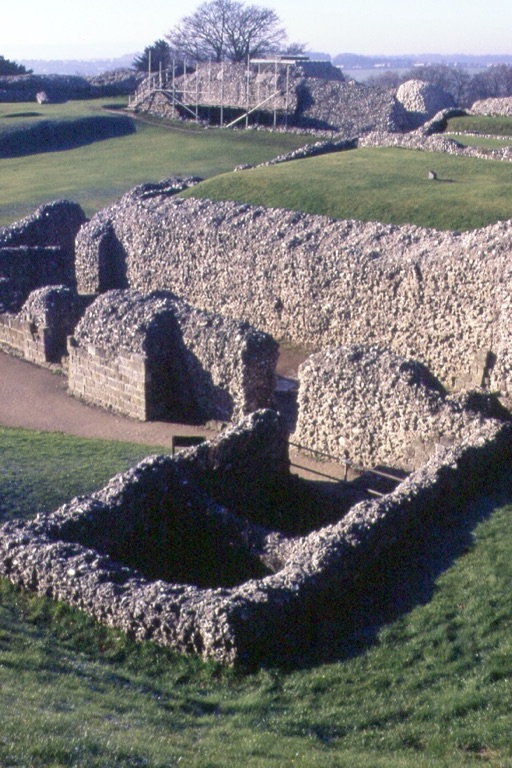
column 311, row 95
column 37, row 252
column 237, row 86
column 128, row 350
column 372, row 407
column 83, row 554
column 40, row 330
column 441, row 298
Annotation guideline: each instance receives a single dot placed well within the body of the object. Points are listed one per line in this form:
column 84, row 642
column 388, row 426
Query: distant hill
column 346, row 60
column 406, row 61
column 77, row 66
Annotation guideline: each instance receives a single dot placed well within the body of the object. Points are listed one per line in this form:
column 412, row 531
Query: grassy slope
column 388, row 185
column 97, row 174
column 432, row 688
column 484, row 124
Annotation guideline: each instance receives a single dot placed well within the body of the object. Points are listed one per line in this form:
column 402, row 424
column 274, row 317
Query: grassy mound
column 59, row 135
column 378, row 184
column 94, row 175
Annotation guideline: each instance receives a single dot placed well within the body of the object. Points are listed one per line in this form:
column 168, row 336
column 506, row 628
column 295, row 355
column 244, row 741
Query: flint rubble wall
column 70, row 555
column 372, row 407
column 311, row 95
column 40, row 249
column 442, row 298
column 155, row 356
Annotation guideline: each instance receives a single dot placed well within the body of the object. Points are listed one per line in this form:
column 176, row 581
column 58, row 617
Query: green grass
column 484, row 124
column 35, row 472
column 484, row 142
column 378, row 184
column 431, row 689
column 388, row 185
column 96, row 174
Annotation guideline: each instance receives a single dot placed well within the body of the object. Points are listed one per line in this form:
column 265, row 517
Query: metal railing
column 347, row 464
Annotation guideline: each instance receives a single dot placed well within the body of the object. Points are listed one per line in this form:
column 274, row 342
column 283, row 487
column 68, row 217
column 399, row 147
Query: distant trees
column 11, row 68
column 157, row 55
column 227, row 30
column 493, row 82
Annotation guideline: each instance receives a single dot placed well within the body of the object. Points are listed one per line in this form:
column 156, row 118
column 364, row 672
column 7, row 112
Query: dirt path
column 36, row 398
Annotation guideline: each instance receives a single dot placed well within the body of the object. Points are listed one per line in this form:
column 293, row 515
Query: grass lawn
column 35, row 471
column 475, row 140
column 484, row 124
column 96, row 174
column 430, row 688
column 377, row 184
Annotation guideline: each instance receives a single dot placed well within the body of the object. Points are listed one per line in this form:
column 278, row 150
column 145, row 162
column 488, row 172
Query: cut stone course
column 154, row 356
column 41, row 328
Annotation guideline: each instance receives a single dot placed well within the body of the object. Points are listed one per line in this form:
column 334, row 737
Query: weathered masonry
column 161, row 554
column 442, row 298
column 155, row 357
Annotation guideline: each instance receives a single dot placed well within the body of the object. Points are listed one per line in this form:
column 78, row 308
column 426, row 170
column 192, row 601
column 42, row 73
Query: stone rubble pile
column 496, row 106
column 422, row 100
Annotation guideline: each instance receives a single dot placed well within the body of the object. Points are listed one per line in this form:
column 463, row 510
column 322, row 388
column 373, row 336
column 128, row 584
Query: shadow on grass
column 397, row 582
column 58, row 135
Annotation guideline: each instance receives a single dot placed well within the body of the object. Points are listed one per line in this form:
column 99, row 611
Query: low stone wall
column 371, row 407
column 156, row 357
column 40, row 249
column 442, row 298
column 246, row 595
column 40, row 330
column 428, row 141
column 63, row 87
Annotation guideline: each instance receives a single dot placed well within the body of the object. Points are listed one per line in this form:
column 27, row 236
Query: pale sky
column 59, row 29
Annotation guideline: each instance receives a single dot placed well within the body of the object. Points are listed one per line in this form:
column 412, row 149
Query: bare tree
column 227, row 30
